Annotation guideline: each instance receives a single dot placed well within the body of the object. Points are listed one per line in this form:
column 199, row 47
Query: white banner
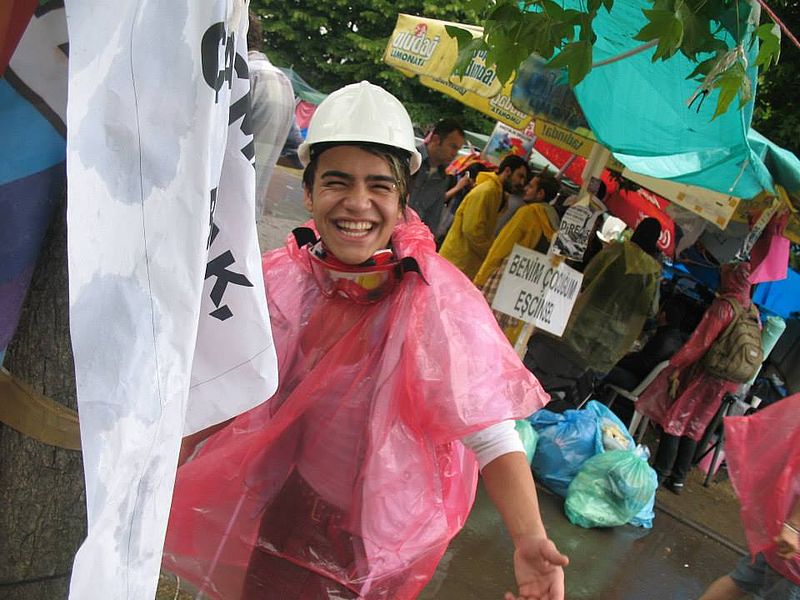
column 712, row 206
column 166, row 290
column 535, row 290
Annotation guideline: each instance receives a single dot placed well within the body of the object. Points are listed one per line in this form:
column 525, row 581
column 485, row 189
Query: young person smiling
column 353, row 478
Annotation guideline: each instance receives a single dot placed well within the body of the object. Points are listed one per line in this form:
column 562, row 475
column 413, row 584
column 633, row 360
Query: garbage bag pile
column 588, row 457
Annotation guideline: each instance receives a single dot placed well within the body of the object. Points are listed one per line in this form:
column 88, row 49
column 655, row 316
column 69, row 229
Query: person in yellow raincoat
column 472, row 232
column 532, row 226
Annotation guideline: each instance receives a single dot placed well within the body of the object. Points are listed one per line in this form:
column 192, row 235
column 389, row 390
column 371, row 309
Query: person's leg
column 299, row 531
column 724, row 588
column 745, row 579
column 776, row 587
column 665, row 455
column 683, row 462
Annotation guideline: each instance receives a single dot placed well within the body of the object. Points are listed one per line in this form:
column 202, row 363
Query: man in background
column 431, row 187
column 271, row 111
column 472, row 232
column 532, row 226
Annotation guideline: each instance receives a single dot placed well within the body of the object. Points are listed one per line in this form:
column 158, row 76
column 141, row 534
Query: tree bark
column 42, row 495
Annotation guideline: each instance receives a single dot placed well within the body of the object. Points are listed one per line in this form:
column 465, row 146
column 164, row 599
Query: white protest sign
column 573, row 233
column 536, row 291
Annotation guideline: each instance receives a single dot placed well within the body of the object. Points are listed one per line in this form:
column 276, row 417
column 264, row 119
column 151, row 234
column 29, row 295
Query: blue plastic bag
column 613, row 435
column 611, row 489
column 565, row 442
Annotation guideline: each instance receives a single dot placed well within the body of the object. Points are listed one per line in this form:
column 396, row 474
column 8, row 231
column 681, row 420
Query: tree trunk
column 43, row 515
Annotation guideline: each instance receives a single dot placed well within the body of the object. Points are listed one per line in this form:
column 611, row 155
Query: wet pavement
column 674, row 560
column 283, row 209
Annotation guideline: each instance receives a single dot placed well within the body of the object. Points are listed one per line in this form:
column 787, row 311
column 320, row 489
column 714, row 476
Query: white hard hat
column 361, row 112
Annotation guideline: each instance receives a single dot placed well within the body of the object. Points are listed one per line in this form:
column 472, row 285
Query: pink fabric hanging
column 764, row 467
column 770, row 255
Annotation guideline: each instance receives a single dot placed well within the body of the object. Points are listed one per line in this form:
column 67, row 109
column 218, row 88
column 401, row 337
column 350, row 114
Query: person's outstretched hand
column 788, row 544
column 539, row 568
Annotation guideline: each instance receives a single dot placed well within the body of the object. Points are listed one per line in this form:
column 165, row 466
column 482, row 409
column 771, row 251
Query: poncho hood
column 735, row 282
column 485, row 176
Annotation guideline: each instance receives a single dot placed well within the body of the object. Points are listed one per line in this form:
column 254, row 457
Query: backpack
column 737, row 354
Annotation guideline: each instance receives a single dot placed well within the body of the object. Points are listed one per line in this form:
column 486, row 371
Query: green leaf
column 587, row 31
column 462, row 36
column 704, row 68
column 770, row 50
column 695, row 32
column 666, row 27
column 552, row 10
column 576, row 57
column 466, row 53
column 730, row 84
column 652, row 31
column 664, row 5
column 504, row 12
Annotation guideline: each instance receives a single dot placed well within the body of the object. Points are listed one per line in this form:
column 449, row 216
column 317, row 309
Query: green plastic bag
column 528, row 436
column 610, row 489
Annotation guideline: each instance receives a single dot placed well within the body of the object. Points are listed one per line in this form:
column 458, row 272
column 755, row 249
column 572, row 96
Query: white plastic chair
column 639, row 422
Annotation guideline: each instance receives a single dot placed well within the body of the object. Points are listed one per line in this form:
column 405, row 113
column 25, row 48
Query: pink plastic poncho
column 764, row 467
column 699, row 394
column 354, row 470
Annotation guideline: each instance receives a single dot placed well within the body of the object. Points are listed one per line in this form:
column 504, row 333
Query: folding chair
column 639, row 422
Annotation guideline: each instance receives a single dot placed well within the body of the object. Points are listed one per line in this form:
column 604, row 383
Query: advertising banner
column 505, row 141
column 715, row 207
column 634, row 207
column 422, row 47
column 498, row 107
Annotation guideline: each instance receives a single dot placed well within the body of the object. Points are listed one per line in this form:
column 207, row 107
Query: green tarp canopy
column 638, row 110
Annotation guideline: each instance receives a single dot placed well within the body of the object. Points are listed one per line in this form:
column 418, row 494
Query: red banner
column 634, row 207
column 631, row 207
